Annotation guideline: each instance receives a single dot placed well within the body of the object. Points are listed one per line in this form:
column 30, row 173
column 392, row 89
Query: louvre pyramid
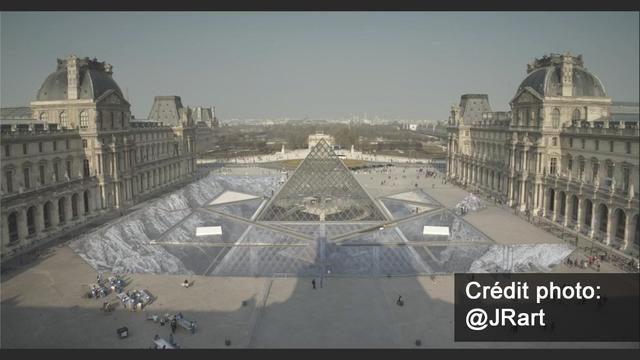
column 321, row 189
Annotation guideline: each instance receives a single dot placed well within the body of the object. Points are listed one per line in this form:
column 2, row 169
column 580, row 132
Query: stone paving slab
column 42, row 306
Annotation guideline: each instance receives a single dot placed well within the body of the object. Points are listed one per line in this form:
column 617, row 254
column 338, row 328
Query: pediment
column 112, row 98
column 526, row 96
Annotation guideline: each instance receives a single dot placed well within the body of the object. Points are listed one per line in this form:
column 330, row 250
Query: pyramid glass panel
column 321, row 189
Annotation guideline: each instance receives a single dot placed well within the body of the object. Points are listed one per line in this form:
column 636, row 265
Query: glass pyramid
column 321, row 189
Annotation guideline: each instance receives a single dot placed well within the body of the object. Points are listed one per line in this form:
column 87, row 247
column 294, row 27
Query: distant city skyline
column 252, row 65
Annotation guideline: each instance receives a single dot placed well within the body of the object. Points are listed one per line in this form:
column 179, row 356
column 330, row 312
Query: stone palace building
column 564, row 153
column 76, row 154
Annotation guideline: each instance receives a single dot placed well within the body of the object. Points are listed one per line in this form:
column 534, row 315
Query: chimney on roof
column 73, row 74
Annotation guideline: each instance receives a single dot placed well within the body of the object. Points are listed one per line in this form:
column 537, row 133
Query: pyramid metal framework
column 321, row 189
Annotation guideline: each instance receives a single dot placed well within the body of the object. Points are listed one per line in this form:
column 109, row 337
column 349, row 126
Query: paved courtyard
column 43, row 303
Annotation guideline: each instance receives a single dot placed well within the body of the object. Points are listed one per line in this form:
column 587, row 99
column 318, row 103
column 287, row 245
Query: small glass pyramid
column 321, row 189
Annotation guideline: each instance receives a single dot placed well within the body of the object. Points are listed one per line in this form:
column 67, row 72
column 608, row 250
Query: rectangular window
column 67, row 143
column 7, row 150
column 56, row 172
column 570, row 142
column 611, row 146
column 84, row 143
column 583, row 142
column 628, row 147
column 69, row 169
column 24, row 149
column 581, row 170
column 55, row 145
column 597, row 145
column 595, row 172
column 9, row 181
column 570, row 165
column 609, row 174
column 86, row 168
column 552, row 166
column 40, row 147
column 27, row 178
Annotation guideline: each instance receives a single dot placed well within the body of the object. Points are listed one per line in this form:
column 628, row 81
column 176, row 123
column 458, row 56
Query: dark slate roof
column 472, row 106
column 93, row 83
column 547, row 82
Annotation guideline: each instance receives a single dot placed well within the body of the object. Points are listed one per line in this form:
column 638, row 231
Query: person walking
column 174, row 325
column 313, row 283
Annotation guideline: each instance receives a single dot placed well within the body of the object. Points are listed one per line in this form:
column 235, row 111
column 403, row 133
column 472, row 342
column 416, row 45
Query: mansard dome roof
column 547, row 81
column 94, row 80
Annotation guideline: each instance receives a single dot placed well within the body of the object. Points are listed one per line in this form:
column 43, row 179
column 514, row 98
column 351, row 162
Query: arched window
column 84, row 119
column 576, row 115
column 48, row 211
column 12, row 220
column 555, row 118
column 64, row 121
column 31, row 220
column 44, row 116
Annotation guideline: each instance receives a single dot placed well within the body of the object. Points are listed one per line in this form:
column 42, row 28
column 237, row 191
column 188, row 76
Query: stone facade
column 169, row 110
column 82, row 156
column 560, row 153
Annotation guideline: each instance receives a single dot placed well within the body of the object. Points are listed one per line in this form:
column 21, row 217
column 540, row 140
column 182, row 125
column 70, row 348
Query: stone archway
column 48, row 214
column 31, row 220
column 603, row 216
column 620, row 222
column 74, row 205
column 562, row 206
column 86, row 198
column 574, row 208
column 588, row 212
column 62, row 205
column 12, row 221
column 552, row 200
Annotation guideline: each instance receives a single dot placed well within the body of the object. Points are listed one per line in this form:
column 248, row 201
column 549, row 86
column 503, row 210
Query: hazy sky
column 317, row 64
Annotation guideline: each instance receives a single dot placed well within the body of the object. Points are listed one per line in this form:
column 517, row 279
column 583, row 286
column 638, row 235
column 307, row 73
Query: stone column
column 510, row 191
column 595, row 219
column 55, row 217
column 545, row 202
column 568, row 209
column 580, row 219
column 629, row 229
column 610, row 226
column 39, row 218
column 23, row 232
column 116, row 194
column 556, row 205
column 68, row 212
